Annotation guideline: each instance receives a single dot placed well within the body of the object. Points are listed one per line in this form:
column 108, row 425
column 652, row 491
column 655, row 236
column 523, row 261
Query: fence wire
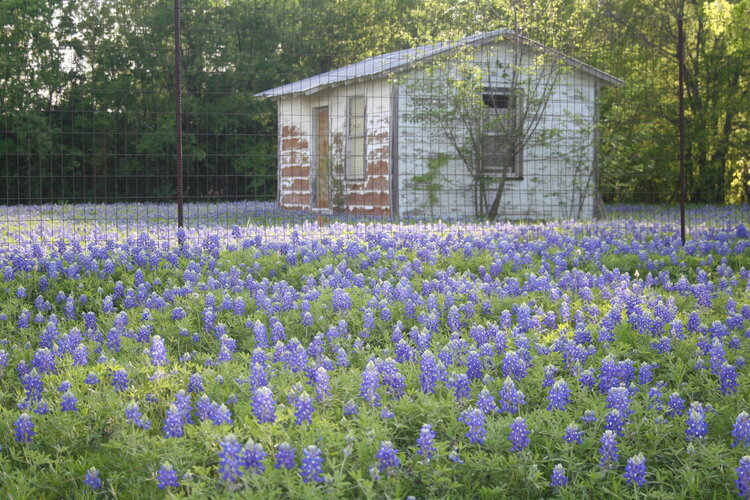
column 314, row 111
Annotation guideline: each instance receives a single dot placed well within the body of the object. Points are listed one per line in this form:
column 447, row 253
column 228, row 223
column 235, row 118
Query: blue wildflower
column 166, row 477
column 311, row 466
column 229, row 459
column 559, row 395
column 558, row 478
column 743, row 477
column 608, row 450
column 425, row 442
column 519, row 434
column 474, row 419
column 24, row 429
column 264, row 405
column 635, row 470
column 285, row 456
column 92, row 479
column 573, row 434
column 252, row 456
column 387, row 456
column 741, row 430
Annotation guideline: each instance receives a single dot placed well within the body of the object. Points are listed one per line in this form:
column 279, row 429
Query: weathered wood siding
column 297, row 163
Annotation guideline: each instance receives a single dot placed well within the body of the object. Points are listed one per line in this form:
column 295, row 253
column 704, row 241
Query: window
column 500, row 135
column 355, row 139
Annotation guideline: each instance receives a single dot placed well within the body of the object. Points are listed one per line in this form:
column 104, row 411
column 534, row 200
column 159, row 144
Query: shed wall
column 557, row 162
column 298, row 163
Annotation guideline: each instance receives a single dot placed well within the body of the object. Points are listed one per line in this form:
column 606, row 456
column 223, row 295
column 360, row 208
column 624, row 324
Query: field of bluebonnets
column 373, row 360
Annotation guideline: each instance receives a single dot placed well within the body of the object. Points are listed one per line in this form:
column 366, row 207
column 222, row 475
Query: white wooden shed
column 350, row 140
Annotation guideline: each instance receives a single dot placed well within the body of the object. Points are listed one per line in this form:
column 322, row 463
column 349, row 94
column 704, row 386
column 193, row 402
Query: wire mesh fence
column 390, row 111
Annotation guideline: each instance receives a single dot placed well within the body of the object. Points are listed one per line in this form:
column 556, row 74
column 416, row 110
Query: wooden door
column 322, row 187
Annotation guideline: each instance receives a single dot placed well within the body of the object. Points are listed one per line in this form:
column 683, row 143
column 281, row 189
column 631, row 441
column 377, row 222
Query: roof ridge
column 391, row 62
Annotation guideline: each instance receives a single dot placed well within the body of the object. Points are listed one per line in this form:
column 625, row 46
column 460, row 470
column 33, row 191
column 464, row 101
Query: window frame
column 511, row 102
column 348, row 174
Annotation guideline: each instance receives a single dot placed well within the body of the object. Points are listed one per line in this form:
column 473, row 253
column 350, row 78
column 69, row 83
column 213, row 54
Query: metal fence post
column 178, row 108
column 681, row 64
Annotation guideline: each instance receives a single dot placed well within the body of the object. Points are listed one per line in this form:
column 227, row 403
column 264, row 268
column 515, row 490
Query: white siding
column 556, row 170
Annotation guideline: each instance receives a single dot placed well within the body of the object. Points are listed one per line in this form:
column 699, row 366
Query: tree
column 489, row 104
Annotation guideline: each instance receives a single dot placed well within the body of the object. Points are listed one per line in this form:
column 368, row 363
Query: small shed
column 368, row 138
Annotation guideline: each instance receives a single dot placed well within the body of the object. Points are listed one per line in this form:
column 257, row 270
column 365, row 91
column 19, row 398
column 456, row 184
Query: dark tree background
column 86, row 87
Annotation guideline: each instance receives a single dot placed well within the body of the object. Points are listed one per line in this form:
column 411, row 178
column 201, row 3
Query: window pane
column 356, row 116
column 356, row 158
column 498, row 154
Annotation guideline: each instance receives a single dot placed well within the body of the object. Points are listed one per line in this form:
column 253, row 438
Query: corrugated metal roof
column 393, row 62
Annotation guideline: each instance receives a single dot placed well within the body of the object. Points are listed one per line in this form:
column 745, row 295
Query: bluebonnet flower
column 615, row 421
column 635, row 470
column 220, row 414
column 558, row 478
column 655, row 397
column 311, row 466
column 519, row 434
column 486, row 402
column 728, row 378
column 264, row 405
column 350, row 408
column 322, row 384
column 514, row 366
column 173, row 423
column 559, row 395
column 252, row 456
column 386, row 413
column 460, row 383
column 619, row 398
column 341, row 300
column 41, row 408
column 24, row 429
column 425, row 442
column 587, row 378
column 92, row 479
column 676, row 404
column 178, row 313
column 387, row 456
column 44, row 361
column 195, row 383
column 430, row 372
column 368, row 390
column 403, row 351
column 697, row 428
column 158, row 351
column 285, row 456
column 608, row 450
column 510, row 398
column 134, row 416
column 260, row 332
column 227, row 347
column 33, row 385
column 662, row 345
column 303, row 408
column 743, row 477
column 549, row 375
column 741, row 430
column 258, row 375
column 166, row 477
column 68, row 402
column 474, row 419
column 120, row 380
column 473, row 366
column 229, row 459
column 573, row 434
